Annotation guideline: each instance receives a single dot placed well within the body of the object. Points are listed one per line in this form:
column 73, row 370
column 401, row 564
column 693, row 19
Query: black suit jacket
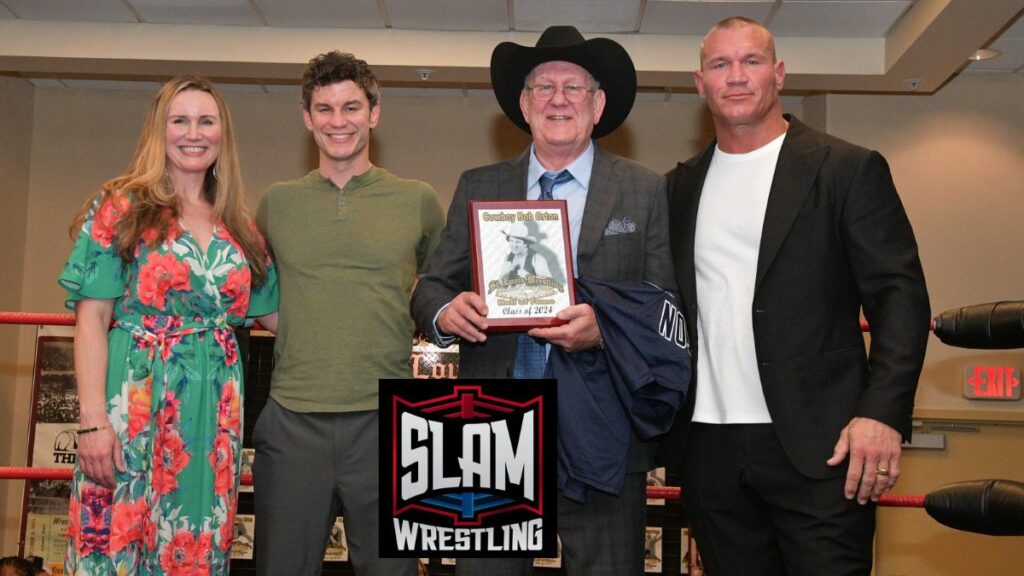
column 619, row 189
column 836, row 239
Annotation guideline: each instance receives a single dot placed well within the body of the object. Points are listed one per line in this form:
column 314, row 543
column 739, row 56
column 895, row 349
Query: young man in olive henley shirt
column 348, row 240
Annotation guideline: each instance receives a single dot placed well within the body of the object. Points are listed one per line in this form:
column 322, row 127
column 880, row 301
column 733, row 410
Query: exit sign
column 982, row 382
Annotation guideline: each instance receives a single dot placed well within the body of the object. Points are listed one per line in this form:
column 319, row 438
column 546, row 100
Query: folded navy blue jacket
column 635, row 383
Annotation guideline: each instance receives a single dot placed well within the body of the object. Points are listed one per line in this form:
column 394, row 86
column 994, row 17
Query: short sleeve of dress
column 263, row 298
column 94, row 269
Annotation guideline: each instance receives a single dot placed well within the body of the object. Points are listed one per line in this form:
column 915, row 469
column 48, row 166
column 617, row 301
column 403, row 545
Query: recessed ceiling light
column 985, row 54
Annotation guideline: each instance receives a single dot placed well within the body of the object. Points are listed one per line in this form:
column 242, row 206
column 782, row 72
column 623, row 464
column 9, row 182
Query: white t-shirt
column 726, row 245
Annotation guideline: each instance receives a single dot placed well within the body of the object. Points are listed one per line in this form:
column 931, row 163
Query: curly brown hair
column 334, row 67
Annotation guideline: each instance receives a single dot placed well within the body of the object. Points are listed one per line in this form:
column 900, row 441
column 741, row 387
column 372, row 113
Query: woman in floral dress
column 168, row 253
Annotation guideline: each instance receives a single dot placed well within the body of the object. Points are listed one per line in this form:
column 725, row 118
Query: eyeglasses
column 545, row 92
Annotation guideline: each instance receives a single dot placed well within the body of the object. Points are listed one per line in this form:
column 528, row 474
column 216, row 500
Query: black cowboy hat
column 605, row 59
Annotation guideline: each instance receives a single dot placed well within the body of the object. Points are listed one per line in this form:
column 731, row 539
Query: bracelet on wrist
column 91, row 429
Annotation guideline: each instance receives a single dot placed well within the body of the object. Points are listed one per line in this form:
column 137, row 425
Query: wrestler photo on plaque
column 522, row 262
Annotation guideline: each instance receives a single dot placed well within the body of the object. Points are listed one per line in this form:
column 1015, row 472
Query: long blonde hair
column 148, row 186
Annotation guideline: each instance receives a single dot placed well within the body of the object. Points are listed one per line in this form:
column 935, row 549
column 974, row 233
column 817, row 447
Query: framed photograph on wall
column 52, row 444
column 522, row 262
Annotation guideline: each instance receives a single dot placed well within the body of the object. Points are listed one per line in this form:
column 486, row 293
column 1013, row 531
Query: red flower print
column 224, row 234
column 169, row 455
column 168, row 417
column 95, row 527
column 224, row 338
column 227, row 529
column 179, row 555
column 126, row 526
column 169, row 343
column 75, row 522
column 148, row 532
column 104, row 224
column 167, row 326
column 222, row 459
column 228, row 407
column 158, row 324
column 204, row 554
column 161, row 273
column 236, row 291
column 170, row 459
column 140, row 407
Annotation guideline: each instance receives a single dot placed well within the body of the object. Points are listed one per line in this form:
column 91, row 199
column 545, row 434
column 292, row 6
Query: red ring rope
column 69, row 319
column 26, row 473
column 45, row 319
column 37, row 318
column 664, row 492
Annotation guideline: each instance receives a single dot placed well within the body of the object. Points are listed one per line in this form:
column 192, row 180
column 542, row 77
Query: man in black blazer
column 780, row 236
column 565, row 91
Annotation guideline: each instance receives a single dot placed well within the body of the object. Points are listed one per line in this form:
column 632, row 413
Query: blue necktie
column 531, row 356
column 548, row 182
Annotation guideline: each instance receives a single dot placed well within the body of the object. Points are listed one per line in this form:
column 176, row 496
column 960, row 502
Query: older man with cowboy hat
column 566, row 91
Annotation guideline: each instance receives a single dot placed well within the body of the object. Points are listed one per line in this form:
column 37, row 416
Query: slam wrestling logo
column 467, row 469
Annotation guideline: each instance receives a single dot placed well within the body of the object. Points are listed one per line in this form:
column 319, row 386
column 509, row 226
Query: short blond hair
column 732, row 23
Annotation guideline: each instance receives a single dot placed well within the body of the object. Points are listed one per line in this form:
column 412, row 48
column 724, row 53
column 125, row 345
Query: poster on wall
column 245, row 533
column 429, row 361
column 337, row 543
column 656, row 478
column 555, row 562
column 652, row 550
column 684, row 551
column 52, row 444
column 248, row 455
column 46, row 523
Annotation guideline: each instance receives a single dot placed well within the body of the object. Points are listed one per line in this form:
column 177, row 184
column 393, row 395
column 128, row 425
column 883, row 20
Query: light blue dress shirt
column 574, row 192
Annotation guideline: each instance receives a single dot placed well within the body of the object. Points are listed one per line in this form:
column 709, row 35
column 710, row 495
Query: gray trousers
column 602, row 537
column 308, row 468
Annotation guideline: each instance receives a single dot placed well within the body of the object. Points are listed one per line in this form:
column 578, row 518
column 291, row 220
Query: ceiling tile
column 593, row 16
column 71, row 10
column 1016, row 30
column 696, row 18
column 212, row 12
column 481, row 15
column 321, row 13
column 848, row 19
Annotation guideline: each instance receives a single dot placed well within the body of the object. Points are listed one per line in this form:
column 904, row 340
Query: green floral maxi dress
column 174, row 397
